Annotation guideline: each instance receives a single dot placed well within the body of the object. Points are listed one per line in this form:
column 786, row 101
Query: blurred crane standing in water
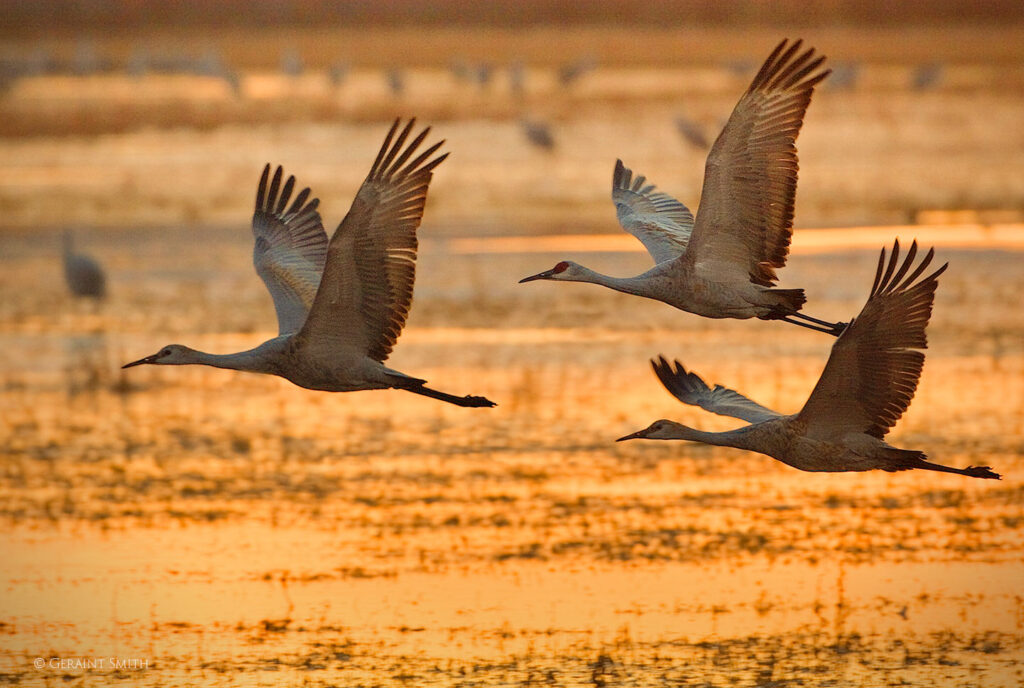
column 341, row 305
column 83, row 274
column 723, row 264
column 866, row 386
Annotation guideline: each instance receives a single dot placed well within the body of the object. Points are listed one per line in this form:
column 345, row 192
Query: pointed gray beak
column 638, row 435
column 147, row 359
column 540, row 275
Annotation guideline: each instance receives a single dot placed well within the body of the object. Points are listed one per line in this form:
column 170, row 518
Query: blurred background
column 149, row 114
column 225, row 526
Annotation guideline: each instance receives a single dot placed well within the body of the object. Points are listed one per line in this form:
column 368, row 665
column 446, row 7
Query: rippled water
column 188, row 526
column 233, row 529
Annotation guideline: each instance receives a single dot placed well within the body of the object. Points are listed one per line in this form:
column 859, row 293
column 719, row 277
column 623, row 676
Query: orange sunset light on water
column 168, row 526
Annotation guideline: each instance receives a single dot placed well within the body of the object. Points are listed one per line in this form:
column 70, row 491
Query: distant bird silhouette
column 740, row 67
column 723, row 266
column 570, row 73
column 538, row 133
column 926, row 76
column 517, row 78
column 396, row 81
column 138, row 62
column 291, row 63
column 87, row 59
column 484, row 70
column 82, row 273
column 36, row 62
column 211, row 64
column 340, row 305
column 866, row 386
column 844, row 76
column 337, row 73
column 692, row 132
column 459, row 69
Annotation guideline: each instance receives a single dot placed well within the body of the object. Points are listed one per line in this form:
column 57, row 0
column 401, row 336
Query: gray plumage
column 342, row 304
column 661, row 223
column 690, row 389
column 866, row 386
column 745, row 220
column 289, row 248
column 83, row 274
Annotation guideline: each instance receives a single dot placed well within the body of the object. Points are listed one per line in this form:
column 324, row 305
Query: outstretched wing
column 872, row 373
column 661, row 223
column 290, row 248
column 690, row 389
column 745, row 219
column 367, row 285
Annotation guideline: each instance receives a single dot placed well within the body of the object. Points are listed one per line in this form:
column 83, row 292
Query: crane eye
column 166, row 352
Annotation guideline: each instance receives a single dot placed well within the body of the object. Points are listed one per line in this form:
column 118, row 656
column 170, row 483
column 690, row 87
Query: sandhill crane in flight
column 569, row 74
column 866, row 386
column 340, row 305
column 723, row 265
column 82, row 273
column 538, row 133
column 692, row 132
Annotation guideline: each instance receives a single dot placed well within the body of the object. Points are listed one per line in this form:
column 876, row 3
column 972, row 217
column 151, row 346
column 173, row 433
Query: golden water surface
column 187, row 526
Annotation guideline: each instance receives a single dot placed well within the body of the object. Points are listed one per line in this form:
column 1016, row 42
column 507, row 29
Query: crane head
column 659, row 430
column 172, row 354
column 562, row 271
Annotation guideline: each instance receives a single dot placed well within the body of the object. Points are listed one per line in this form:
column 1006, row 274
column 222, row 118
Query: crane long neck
column 250, row 361
column 737, row 438
column 628, row 285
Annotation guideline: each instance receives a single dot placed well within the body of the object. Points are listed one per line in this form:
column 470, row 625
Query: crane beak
column 638, row 435
column 147, row 359
column 540, row 275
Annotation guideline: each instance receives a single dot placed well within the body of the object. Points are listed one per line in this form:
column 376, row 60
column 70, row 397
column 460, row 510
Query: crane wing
column 690, row 389
column 366, row 290
column 290, row 248
column 660, row 222
column 875, row 364
column 745, row 219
